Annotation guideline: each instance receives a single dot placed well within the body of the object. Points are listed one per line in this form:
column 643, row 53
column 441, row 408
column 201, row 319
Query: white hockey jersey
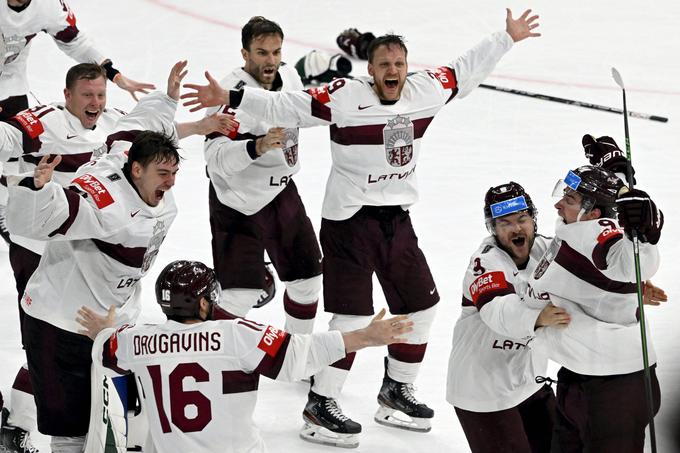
column 241, row 182
column 589, row 270
column 198, row 382
column 52, row 129
column 493, row 365
column 375, row 146
column 19, row 28
column 103, row 238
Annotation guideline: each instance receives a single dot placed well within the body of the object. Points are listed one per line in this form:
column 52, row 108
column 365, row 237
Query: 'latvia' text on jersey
column 375, row 146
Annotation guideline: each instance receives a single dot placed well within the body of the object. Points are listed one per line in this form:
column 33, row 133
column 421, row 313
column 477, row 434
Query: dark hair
column 87, row 71
column 258, row 26
column 386, row 40
column 150, row 147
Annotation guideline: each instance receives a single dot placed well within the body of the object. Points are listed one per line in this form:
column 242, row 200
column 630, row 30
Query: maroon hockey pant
column 525, row 428
column 603, row 414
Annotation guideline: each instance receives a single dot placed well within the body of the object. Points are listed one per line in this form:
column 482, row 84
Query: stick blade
column 617, row 78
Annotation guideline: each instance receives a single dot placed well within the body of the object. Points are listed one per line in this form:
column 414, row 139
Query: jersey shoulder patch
column 272, row 340
column 491, row 281
column 30, row 122
column 90, row 184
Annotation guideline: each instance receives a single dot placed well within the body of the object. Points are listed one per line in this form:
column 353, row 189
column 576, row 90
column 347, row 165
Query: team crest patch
column 290, row 146
column 547, row 258
column 102, row 198
column 271, row 341
column 398, row 139
column 113, row 177
column 159, row 232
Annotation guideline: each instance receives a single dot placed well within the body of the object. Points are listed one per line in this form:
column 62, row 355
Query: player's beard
column 528, row 243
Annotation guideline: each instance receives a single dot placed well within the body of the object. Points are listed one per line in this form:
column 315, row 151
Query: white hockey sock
column 24, row 413
column 61, row 444
column 239, row 301
column 402, row 371
column 329, row 382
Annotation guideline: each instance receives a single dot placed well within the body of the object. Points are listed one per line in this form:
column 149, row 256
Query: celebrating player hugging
column 91, row 202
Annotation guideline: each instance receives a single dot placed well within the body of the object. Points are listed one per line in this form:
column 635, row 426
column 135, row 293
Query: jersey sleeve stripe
column 73, row 200
column 239, row 382
column 271, row 366
column 582, row 268
column 602, row 249
column 128, row 256
column 491, row 295
column 321, row 111
column 109, row 359
column 69, row 162
column 372, row 134
column 126, row 136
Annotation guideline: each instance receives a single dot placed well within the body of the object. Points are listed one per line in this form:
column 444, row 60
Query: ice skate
column 399, row 408
column 326, row 424
column 14, row 439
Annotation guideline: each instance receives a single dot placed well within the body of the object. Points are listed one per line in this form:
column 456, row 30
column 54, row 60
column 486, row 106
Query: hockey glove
column 354, row 43
column 604, row 152
column 638, row 212
column 318, row 67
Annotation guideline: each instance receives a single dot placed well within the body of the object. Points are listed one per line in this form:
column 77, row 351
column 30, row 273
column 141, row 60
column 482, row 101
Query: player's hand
column 273, row 140
column 217, row 122
column 44, row 170
column 379, row 332
column 93, row 322
column 132, row 86
column 177, row 73
column 203, row 96
column 653, row 295
column 521, row 28
column 553, row 316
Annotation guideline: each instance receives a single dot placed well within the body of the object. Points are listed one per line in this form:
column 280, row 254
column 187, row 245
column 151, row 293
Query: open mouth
column 519, row 241
column 269, row 72
column 91, row 114
column 391, row 83
column 159, row 194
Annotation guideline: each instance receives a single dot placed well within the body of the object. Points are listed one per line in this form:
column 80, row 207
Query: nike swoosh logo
column 433, row 290
column 514, row 274
column 132, row 214
column 363, row 107
column 69, row 137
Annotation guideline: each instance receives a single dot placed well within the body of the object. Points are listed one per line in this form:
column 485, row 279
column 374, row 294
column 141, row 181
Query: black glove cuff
column 111, row 72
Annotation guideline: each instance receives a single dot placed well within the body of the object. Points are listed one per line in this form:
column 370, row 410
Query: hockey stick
column 588, row 105
column 638, row 278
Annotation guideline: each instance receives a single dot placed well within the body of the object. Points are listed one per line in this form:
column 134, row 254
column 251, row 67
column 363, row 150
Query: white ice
column 483, row 140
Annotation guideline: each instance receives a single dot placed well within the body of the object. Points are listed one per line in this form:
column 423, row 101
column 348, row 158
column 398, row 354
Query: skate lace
column 334, row 410
column 3, row 221
column 25, row 443
column 407, row 391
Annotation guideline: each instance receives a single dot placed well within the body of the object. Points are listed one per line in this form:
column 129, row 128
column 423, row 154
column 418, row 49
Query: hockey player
column 220, row 360
column 77, row 130
column 376, row 126
column 589, row 270
column 254, row 203
column 491, row 375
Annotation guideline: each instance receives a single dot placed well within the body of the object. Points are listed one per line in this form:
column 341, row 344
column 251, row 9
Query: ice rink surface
column 485, row 139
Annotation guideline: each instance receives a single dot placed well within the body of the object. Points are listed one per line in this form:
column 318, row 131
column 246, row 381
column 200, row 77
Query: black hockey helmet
column 506, row 199
column 180, row 286
column 598, row 187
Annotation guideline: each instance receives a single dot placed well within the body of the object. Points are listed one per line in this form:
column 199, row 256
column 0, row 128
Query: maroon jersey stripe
column 490, row 295
column 69, row 162
column 409, row 353
column 129, row 256
column 128, row 136
column 73, row 199
column 602, row 249
column 582, row 268
column 320, row 110
column 239, row 382
column 345, row 363
column 68, row 34
column 271, row 366
column 109, row 359
column 371, row 134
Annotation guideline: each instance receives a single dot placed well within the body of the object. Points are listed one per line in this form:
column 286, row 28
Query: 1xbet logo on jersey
column 398, row 139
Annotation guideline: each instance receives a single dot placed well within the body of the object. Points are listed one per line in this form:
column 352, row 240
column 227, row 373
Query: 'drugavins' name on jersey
column 175, row 343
